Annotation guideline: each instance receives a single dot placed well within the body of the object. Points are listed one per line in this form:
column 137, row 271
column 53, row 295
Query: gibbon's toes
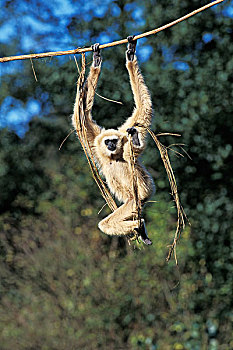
column 146, row 241
column 142, row 234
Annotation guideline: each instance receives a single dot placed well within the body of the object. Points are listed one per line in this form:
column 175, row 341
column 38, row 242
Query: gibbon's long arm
column 87, row 101
column 142, row 114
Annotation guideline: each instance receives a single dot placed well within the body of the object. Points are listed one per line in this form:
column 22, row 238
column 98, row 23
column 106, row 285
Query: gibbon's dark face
column 111, row 144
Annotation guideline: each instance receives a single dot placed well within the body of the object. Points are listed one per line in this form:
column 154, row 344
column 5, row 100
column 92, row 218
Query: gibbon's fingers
column 96, row 55
column 96, row 47
column 131, row 48
column 132, row 41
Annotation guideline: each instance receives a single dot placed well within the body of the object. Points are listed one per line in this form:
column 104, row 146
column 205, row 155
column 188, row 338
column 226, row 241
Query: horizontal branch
column 114, row 43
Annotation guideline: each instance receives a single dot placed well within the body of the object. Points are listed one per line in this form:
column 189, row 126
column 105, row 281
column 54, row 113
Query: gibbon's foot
column 96, row 55
column 131, row 47
column 134, row 133
column 142, row 234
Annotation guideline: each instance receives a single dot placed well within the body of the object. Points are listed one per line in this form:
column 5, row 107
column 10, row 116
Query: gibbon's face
column 112, row 144
column 109, row 143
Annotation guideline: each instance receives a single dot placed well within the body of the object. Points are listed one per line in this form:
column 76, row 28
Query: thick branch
column 114, row 43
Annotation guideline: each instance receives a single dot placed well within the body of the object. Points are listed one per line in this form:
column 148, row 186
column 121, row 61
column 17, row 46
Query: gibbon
column 111, row 148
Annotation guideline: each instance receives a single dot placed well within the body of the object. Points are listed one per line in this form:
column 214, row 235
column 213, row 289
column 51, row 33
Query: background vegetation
column 64, row 284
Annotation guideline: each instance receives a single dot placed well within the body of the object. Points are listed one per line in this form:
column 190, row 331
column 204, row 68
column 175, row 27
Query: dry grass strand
column 82, row 135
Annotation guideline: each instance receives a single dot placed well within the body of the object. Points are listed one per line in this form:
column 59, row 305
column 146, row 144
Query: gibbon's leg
column 87, row 100
column 120, row 222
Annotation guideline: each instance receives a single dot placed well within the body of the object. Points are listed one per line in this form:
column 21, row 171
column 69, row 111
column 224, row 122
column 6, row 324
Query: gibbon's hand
column 134, row 133
column 96, row 55
column 131, row 131
column 131, row 49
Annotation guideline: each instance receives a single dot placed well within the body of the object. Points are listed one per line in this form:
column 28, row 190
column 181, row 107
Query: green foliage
column 64, row 284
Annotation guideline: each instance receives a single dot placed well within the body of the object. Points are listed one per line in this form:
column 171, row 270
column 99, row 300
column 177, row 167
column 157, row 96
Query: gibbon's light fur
column 111, row 148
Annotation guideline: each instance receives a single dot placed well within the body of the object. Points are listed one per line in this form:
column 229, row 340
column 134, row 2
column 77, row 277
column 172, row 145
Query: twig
column 104, row 98
column 108, row 99
column 102, row 208
column 80, row 126
column 114, row 43
column 77, row 65
column 71, row 132
column 167, row 134
column 33, row 70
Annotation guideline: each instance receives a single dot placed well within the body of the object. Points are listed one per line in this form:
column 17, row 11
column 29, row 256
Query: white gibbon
column 111, row 148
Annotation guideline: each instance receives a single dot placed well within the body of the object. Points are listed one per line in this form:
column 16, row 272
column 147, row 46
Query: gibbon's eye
column 114, row 141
